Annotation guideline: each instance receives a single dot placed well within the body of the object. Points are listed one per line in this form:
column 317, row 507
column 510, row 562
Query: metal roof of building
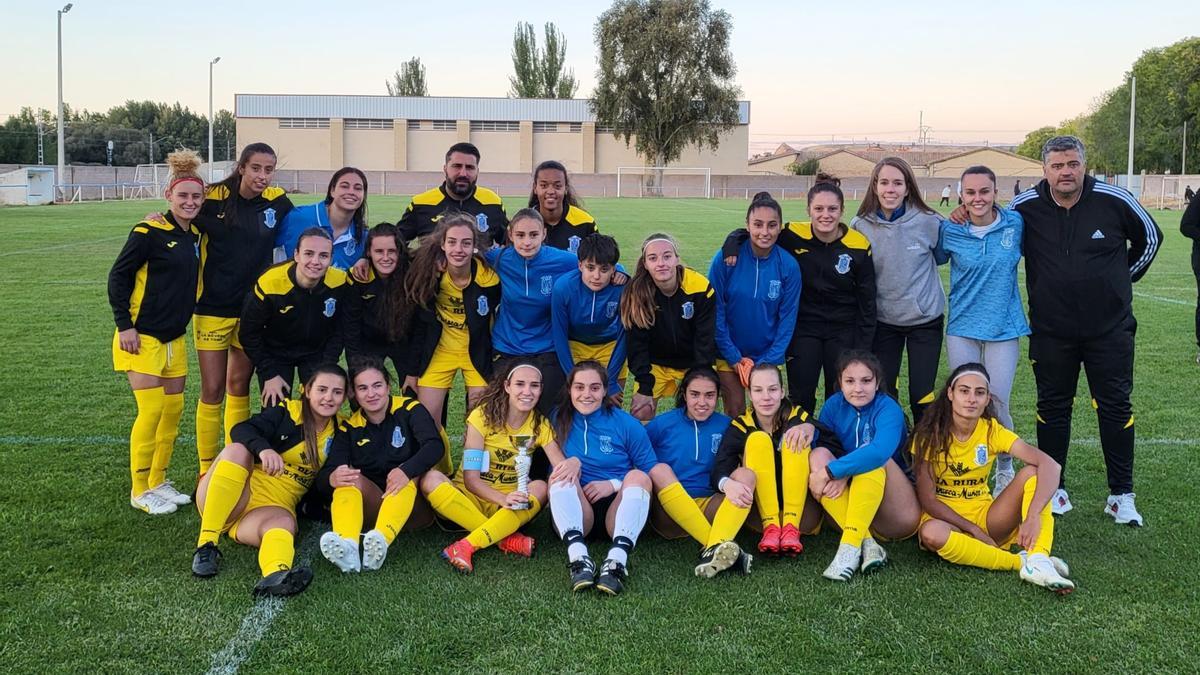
column 423, row 108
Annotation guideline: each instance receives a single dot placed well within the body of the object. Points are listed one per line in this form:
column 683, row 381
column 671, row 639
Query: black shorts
column 600, row 509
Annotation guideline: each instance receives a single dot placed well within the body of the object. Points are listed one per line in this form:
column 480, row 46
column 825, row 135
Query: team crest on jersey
column 981, row 454
column 843, row 263
column 689, row 309
column 350, row 246
column 269, row 218
column 606, row 445
column 573, row 244
column 330, row 307
column 867, row 434
column 481, row 222
column 1009, row 238
column 610, row 310
column 716, row 443
column 773, row 289
column 481, row 306
column 547, row 284
column 397, row 437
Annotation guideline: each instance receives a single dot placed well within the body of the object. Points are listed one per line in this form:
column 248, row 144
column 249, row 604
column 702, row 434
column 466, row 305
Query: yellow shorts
column 723, row 366
column 601, row 353
column 266, row 491
column 439, row 374
column 975, row 511
column 485, row 507
column 666, row 380
column 153, row 357
column 703, row 502
column 215, row 333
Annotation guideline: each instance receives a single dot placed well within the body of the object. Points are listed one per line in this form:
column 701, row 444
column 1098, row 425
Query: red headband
column 181, row 179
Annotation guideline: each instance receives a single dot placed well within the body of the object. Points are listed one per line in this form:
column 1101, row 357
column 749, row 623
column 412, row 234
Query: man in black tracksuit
column 459, row 192
column 1085, row 243
column 1190, row 227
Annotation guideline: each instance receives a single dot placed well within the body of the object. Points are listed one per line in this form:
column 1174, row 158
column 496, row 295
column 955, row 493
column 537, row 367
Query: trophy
column 522, row 463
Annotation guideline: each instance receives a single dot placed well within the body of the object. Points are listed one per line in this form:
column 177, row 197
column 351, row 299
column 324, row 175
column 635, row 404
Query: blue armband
column 475, row 460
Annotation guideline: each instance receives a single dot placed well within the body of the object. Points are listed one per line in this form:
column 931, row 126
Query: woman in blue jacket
column 865, row 489
column 987, row 318
column 605, row 477
column 343, row 214
column 757, row 300
column 686, row 441
column 584, row 313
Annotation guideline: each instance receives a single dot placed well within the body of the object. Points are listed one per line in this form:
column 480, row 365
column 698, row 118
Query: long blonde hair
column 637, row 302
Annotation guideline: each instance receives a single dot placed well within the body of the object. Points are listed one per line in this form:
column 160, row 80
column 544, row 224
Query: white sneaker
column 1002, row 479
column 844, row 564
column 153, row 503
column 1060, row 565
column 1040, row 570
column 1060, row 503
column 167, row 491
column 340, row 551
column 873, row 555
column 1121, row 508
column 375, row 549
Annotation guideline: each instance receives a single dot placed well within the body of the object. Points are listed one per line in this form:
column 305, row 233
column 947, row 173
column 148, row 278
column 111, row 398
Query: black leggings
column 924, row 346
column 808, row 358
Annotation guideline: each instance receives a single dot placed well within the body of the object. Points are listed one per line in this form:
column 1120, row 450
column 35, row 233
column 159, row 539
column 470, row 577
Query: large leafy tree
column 540, row 73
column 409, row 80
column 665, row 78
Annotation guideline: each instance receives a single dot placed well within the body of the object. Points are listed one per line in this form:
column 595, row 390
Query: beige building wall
column 730, row 156
column 845, row 165
column 427, row 149
column 370, row 149
column 1002, row 163
column 297, row 148
column 776, row 165
column 564, row 147
column 499, row 151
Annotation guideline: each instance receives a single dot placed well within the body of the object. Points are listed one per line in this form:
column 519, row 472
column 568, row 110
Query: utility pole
column 62, row 151
column 1132, row 107
column 210, row 117
column 1183, row 164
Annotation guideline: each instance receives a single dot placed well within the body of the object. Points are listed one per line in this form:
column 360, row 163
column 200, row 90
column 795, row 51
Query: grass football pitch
column 87, row 583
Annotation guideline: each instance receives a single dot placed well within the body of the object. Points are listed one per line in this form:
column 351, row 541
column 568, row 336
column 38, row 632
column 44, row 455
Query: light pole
column 62, row 151
column 210, row 117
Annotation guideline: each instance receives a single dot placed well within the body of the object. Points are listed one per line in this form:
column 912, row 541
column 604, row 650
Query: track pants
column 1108, row 362
column 924, row 346
column 1196, row 271
column 809, row 357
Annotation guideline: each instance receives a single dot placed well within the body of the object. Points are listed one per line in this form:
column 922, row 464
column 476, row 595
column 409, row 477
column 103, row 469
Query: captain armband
column 475, row 460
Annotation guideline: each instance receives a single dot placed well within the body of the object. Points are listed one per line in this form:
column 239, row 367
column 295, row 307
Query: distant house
column 840, row 162
column 1003, row 162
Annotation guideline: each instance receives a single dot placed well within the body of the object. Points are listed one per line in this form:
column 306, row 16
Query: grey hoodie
column 908, row 287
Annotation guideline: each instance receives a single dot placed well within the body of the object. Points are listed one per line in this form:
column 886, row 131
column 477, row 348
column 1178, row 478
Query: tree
column 540, row 73
column 666, row 77
column 808, row 167
column 409, row 80
column 1031, row 147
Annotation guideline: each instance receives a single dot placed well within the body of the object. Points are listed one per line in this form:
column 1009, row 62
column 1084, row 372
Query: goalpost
column 149, row 181
column 636, row 181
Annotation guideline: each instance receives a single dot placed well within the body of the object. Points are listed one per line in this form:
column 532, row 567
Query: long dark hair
column 934, row 433
column 693, row 374
column 396, row 307
column 565, row 414
column 233, row 182
column 494, row 400
column 425, row 273
column 358, row 222
column 637, row 301
column 570, row 198
column 312, row 455
column 870, row 202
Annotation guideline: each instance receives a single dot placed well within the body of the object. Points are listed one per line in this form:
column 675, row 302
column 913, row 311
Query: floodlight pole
column 62, row 152
column 1132, row 107
column 210, row 117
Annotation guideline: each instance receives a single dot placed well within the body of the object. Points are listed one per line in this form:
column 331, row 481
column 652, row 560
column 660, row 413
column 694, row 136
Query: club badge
column 330, row 307
column 481, row 306
column 843, row 263
column 269, row 218
column 606, row 445
column 689, row 309
column 397, row 437
column 773, row 289
column 981, row 454
column 481, row 222
column 547, row 284
column 573, row 244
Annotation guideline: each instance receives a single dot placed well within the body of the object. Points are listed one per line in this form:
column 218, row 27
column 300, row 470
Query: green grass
column 88, row 583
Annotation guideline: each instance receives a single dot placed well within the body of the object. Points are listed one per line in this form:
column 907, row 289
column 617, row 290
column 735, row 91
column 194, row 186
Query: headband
column 181, row 179
column 971, row 371
column 664, row 239
column 522, row 365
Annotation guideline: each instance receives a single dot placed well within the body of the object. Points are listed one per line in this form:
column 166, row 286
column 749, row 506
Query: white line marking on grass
column 258, row 620
column 75, row 440
column 30, row 251
column 1172, row 301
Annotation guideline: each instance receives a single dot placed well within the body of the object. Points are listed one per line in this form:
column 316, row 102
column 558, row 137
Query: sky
column 971, row 71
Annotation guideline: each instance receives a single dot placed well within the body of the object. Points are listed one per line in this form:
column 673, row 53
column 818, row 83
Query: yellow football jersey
column 964, row 473
column 500, row 445
column 453, row 317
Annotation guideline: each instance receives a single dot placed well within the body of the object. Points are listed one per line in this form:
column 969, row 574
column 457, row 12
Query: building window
column 368, row 124
column 545, row 127
column 490, row 125
column 444, row 125
column 304, row 123
column 576, row 127
column 414, row 125
column 601, row 129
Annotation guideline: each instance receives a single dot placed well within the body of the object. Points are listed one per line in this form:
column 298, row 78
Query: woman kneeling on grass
column 374, row 464
column 604, row 479
column 686, row 442
column 257, row 480
column 486, row 497
column 955, row 445
column 865, row 491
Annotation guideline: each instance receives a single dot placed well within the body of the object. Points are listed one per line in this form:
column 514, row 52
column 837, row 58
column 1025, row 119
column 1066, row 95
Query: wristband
column 616, row 484
column 721, row 484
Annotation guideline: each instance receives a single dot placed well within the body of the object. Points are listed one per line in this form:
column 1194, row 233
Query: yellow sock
column 502, row 523
column 864, row 495
column 963, row 550
column 684, row 511
column 395, row 510
column 726, row 523
column 1046, row 535
column 760, row 458
column 276, row 551
column 836, row 508
column 208, row 433
column 164, row 437
column 346, row 512
column 237, row 409
column 141, row 436
column 454, row 505
column 795, row 484
column 224, row 490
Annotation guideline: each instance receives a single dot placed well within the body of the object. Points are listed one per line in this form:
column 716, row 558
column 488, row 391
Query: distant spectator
column 945, row 196
column 1188, row 195
column 1017, row 187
